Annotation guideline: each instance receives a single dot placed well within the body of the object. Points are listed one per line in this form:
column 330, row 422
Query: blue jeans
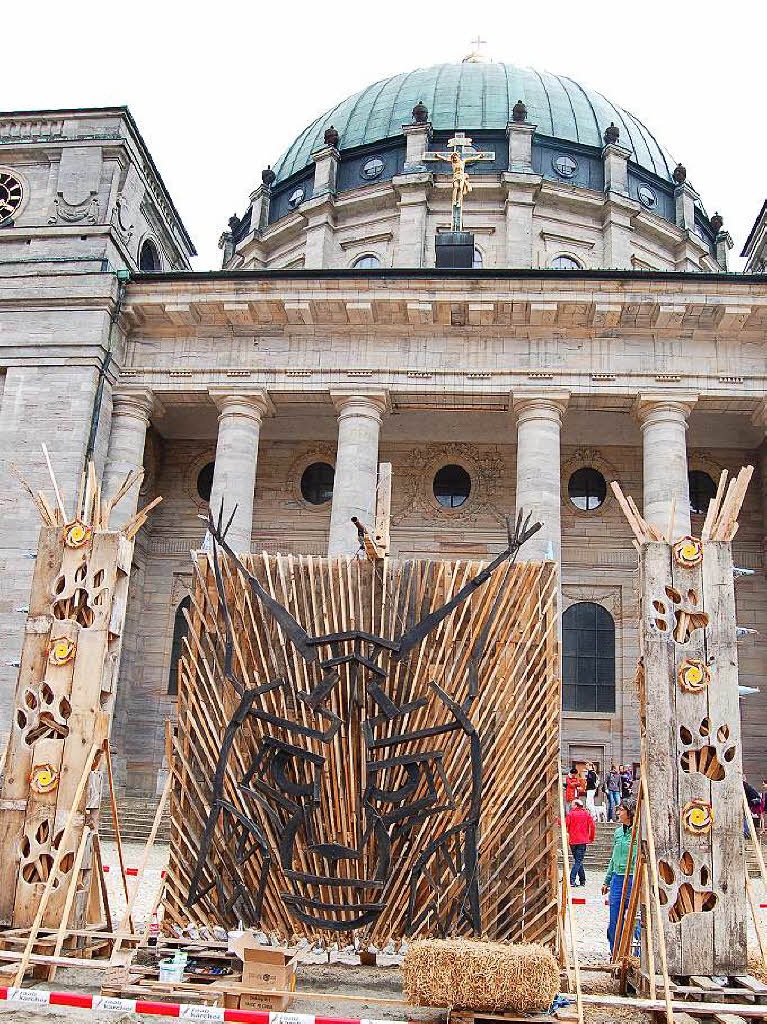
column 616, row 888
column 578, row 870
column 613, row 799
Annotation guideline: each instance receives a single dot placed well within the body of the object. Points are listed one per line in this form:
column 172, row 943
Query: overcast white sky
column 220, row 89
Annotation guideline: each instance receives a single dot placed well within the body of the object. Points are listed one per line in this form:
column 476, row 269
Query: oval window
column 372, row 168
column 452, row 486
column 587, row 488
column 565, row 166
column 647, row 197
column 317, row 483
column 295, row 198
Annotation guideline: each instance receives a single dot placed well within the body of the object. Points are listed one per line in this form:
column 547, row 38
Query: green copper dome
column 472, row 96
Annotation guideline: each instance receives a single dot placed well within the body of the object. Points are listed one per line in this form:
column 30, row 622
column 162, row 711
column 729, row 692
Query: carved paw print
column 677, row 615
column 677, row 890
column 712, row 755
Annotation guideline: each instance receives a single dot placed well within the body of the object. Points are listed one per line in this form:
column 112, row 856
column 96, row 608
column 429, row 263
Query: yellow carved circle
column 61, row 651
column 694, row 675
column 44, row 778
column 688, row 552
column 697, row 817
column 76, row 534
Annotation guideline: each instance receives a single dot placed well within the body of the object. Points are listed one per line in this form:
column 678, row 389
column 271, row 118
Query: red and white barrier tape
column 580, row 901
column 185, row 1011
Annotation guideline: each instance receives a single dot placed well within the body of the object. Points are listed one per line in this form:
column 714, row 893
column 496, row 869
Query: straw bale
column 471, row 974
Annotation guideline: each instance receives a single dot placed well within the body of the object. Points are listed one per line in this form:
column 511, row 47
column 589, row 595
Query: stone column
column 412, row 191
column 663, row 419
column 356, row 479
column 234, row 476
column 131, row 410
column 539, row 423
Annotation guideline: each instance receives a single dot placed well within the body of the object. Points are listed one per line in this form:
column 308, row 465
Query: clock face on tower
column 11, row 195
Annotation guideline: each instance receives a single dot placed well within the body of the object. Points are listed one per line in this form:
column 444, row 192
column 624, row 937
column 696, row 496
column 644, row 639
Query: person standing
column 619, row 867
column 574, row 787
column 580, row 832
column 592, row 782
column 754, row 802
column 627, row 782
column 613, row 791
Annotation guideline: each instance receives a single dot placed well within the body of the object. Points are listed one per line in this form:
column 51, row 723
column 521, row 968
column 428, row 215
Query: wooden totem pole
column 691, row 740
column 62, row 711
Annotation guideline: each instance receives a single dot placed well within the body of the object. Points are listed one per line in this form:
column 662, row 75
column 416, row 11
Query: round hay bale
column 470, row 974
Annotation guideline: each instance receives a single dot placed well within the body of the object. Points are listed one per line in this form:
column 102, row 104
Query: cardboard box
column 238, row 997
column 265, row 968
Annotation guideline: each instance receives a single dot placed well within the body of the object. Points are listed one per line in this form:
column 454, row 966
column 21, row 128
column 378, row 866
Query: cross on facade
column 461, row 153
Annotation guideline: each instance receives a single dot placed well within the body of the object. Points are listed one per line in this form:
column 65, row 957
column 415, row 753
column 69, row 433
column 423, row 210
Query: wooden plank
column 728, row 853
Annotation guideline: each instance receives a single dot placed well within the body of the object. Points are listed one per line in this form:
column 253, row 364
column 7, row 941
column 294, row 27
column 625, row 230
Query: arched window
column 565, row 263
column 368, row 262
column 149, row 258
column 478, row 260
column 588, row 658
column 177, row 647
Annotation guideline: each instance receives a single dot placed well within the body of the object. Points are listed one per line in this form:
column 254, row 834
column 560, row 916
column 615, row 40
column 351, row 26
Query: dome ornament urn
column 680, row 174
column 331, row 137
column 268, row 177
column 420, row 113
column 519, row 113
column 612, row 134
column 717, row 222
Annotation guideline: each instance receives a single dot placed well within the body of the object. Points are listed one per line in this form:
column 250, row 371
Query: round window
column 317, row 483
column 205, row 481
column 11, row 195
column 565, row 263
column 702, row 490
column 452, row 486
column 587, row 488
column 372, row 168
column 565, row 166
column 647, row 197
column 295, row 198
column 367, row 263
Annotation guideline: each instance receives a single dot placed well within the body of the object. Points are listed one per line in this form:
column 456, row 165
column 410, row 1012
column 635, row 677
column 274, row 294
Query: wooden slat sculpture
column 691, row 737
column 368, row 747
column 63, row 707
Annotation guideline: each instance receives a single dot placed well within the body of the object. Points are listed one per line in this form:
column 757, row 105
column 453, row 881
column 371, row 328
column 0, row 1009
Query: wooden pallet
column 567, row 1013
column 140, row 976
column 739, row 990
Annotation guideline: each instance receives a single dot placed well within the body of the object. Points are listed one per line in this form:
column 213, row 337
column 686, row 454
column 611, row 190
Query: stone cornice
column 720, row 304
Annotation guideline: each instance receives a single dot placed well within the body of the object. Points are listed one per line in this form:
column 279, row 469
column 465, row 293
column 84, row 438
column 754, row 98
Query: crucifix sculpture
column 461, row 153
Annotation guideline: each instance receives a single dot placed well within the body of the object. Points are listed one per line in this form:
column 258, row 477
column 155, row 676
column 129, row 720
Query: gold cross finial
column 478, row 43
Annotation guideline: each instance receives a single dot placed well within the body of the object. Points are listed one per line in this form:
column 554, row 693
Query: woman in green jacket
column 616, row 869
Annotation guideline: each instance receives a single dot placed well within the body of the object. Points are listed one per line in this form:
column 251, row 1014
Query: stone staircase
column 136, row 817
column 598, row 852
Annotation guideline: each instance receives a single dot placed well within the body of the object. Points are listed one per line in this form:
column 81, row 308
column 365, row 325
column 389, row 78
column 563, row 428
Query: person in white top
column 592, row 785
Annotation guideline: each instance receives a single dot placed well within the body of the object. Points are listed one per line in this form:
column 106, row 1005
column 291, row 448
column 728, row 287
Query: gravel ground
column 590, row 922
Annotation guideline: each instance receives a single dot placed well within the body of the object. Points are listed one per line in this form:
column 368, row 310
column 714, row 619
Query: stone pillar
column 412, row 192
column 615, row 162
column 684, row 203
column 325, row 171
column 356, row 479
column 131, row 410
column 520, row 138
column 234, row 476
column 663, row 419
column 539, row 423
column 417, row 139
column 521, row 193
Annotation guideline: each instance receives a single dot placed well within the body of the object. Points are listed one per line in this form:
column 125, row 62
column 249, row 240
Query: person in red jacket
column 575, row 787
column 580, row 832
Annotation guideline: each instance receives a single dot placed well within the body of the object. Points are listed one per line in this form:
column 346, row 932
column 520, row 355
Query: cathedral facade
column 598, row 336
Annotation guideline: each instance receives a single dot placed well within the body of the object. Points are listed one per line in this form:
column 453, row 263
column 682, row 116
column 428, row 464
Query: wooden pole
column 116, row 823
column 69, row 899
column 644, row 796
column 142, row 866
column 59, row 856
column 102, row 880
column 631, row 858
column 566, row 871
column 53, row 481
column 754, row 840
column 648, row 929
column 755, row 913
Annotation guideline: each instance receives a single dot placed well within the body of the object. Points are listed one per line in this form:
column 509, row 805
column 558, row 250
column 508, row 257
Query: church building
column 588, row 330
